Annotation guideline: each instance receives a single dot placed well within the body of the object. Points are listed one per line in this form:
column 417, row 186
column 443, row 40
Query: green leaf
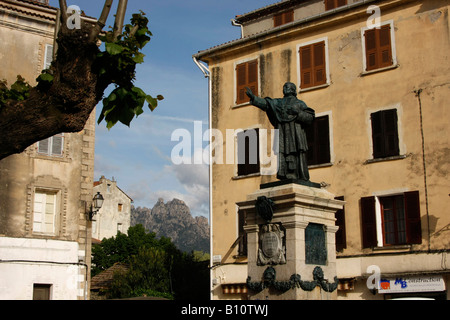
column 113, row 48
column 45, row 77
column 139, row 58
column 152, row 102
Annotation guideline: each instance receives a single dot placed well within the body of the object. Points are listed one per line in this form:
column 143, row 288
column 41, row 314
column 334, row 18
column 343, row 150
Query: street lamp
column 96, row 205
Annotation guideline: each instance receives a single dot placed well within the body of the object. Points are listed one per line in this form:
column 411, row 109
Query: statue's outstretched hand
column 249, row 93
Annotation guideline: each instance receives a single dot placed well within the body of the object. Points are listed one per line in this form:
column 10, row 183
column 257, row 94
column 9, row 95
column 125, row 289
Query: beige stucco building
column 45, row 192
column 377, row 75
column 115, row 214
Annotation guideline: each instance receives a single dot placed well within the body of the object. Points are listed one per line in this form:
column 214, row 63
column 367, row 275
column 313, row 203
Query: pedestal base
column 292, row 256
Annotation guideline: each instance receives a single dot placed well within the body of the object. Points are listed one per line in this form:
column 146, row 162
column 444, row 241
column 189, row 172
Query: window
column 333, row 4
column 378, row 48
column 242, row 236
column 120, row 227
column 44, row 213
column 246, row 76
column 41, row 292
column 313, row 70
column 391, row 220
column 248, row 152
column 53, row 146
column 385, row 140
column 283, row 18
column 120, row 207
column 319, row 141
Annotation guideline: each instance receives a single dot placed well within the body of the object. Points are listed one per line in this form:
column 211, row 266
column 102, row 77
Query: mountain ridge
column 175, row 221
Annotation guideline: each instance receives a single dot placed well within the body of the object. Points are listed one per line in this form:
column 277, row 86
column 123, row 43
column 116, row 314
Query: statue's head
column 289, row 89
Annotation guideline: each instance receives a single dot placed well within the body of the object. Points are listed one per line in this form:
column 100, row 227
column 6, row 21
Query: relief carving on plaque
column 272, row 248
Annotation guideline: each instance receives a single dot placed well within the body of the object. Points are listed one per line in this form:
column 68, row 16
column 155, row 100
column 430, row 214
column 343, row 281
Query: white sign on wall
column 412, row 284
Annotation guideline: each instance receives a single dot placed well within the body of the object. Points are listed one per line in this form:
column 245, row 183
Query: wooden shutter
column 306, row 67
column 371, row 50
column 246, row 76
column 278, row 20
column 390, row 127
column 385, row 134
column 318, row 141
column 329, row 4
column 385, row 50
column 39, row 212
column 340, row 3
column 412, row 214
column 341, row 238
column 368, row 221
column 57, row 145
column 44, row 146
column 247, row 162
column 313, row 65
column 48, row 56
column 283, row 18
column 319, row 63
column 332, row 4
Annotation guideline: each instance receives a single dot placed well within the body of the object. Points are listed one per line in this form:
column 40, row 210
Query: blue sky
column 139, row 157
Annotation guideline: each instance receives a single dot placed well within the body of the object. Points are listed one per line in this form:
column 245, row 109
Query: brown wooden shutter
column 329, row 4
column 377, row 135
column 246, row 76
column 390, row 128
column 385, row 134
column 385, row 50
column 368, row 221
column 241, row 79
column 318, row 141
column 332, row 4
column 371, row 50
column 252, row 81
column 341, row 238
column 378, row 48
column 306, row 67
column 319, row 63
column 247, row 164
column 412, row 214
column 313, row 65
column 283, row 18
column 278, row 20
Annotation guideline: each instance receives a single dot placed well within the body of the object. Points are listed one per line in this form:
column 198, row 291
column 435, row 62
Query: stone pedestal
column 292, row 253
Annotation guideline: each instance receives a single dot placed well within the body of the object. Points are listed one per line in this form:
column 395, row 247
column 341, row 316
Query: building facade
column 115, row 214
column 376, row 73
column 45, row 192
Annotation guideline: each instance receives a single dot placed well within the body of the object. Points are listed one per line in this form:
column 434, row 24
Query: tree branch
column 63, row 7
column 102, row 21
column 120, row 18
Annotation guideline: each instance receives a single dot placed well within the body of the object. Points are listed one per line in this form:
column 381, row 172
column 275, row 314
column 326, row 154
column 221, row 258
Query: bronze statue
column 290, row 116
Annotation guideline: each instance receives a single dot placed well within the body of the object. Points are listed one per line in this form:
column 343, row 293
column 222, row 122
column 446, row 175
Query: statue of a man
column 290, row 116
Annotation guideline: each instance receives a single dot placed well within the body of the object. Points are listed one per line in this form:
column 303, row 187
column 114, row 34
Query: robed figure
column 290, row 116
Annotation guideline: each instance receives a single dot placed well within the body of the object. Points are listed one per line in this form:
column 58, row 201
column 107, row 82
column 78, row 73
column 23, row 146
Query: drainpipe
column 418, row 93
column 207, row 73
column 237, row 24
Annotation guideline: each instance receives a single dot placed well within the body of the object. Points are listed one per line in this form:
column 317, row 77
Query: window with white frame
column 313, row 64
column 391, row 219
column 379, row 50
column 53, row 146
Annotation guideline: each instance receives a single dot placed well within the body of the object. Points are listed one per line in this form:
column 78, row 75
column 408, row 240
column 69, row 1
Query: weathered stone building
column 377, row 74
column 115, row 214
column 45, row 192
